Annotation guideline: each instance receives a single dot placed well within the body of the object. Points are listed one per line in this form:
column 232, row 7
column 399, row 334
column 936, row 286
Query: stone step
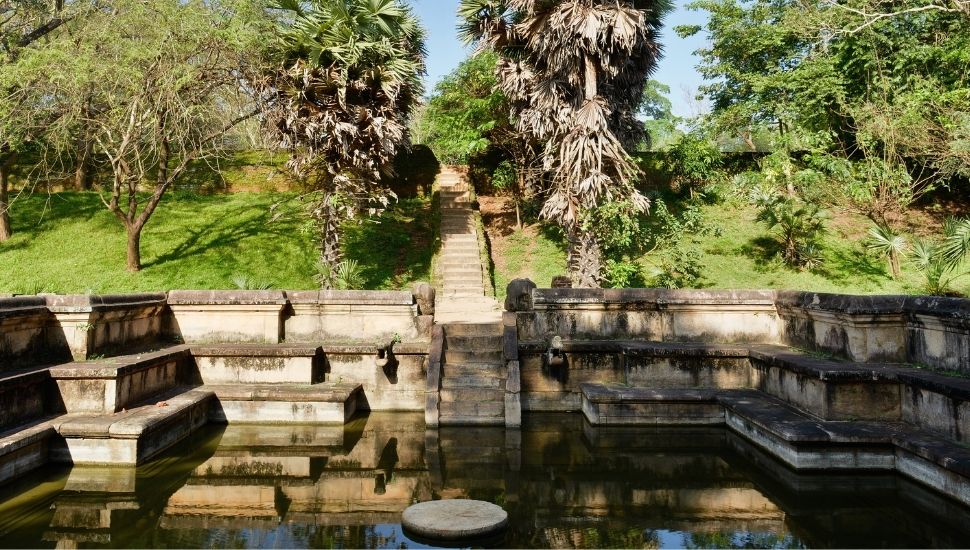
column 453, row 285
column 461, row 259
column 25, row 447
column 473, row 395
column 473, row 329
column 134, row 435
column 480, row 370
column 462, row 270
column 484, row 382
column 473, row 409
column 259, row 363
column 473, row 343
column 468, row 248
column 465, row 282
column 461, row 265
column 286, row 404
column 462, row 294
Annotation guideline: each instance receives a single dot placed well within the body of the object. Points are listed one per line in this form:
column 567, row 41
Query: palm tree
column 348, row 76
column 574, row 72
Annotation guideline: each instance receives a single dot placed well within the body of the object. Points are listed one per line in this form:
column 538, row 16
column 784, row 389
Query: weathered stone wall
column 90, row 325
column 23, row 334
column 724, row 316
column 274, row 316
column 926, row 331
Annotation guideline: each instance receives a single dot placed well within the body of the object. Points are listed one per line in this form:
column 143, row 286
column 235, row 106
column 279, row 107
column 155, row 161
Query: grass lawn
column 69, row 243
column 743, row 256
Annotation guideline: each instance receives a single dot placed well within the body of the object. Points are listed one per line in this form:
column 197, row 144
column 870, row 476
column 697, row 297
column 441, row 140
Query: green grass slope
column 69, row 243
column 742, row 256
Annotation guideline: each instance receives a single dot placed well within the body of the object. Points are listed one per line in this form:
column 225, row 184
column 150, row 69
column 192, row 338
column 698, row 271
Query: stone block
column 91, row 325
column 345, row 316
column 245, row 316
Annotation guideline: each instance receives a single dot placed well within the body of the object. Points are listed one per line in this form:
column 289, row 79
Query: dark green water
column 564, row 483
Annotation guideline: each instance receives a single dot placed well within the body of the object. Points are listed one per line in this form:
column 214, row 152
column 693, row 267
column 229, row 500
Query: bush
column 693, row 162
column 799, row 227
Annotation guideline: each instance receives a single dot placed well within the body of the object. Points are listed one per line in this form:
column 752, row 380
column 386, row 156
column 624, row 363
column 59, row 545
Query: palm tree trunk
column 329, row 234
column 585, row 259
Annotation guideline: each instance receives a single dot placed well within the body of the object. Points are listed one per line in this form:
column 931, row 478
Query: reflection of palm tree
column 387, row 462
column 389, row 458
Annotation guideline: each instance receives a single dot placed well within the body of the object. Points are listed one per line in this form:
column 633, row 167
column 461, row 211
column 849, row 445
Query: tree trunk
column 330, row 255
column 83, row 174
column 5, row 230
column 134, row 247
column 894, row 263
column 585, row 259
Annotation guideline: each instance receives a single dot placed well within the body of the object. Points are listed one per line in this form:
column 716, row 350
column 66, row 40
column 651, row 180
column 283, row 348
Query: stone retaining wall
column 918, row 330
column 23, row 333
column 54, row 329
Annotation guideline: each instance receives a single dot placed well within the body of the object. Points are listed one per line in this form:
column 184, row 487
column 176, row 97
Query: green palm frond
column 956, row 242
column 883, row 240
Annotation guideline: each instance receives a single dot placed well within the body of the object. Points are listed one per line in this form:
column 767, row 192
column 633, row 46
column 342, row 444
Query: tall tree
column 574, row 71
column 347, row 77
column 468, row 113
column 879, row 91
column 23, row 23
column 166, row 95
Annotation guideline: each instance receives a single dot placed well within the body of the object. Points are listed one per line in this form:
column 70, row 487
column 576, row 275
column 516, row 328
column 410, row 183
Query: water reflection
column 565, row 484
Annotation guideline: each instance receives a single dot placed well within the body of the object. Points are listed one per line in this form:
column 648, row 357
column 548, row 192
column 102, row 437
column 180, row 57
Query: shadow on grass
column 31, row 212
column 765, row 251
column 396, row 247
column 844, row 265
column 216, row 233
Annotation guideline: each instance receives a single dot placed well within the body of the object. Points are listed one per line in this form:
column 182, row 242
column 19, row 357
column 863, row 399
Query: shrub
column 799, row 226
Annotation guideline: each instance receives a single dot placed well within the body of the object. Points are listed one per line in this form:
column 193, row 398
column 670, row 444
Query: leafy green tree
column 346, row 79
column 468, row 114
column 661, row 124
column 886, row 94
column 574, row 72
column 23, row 24
column 166, row 95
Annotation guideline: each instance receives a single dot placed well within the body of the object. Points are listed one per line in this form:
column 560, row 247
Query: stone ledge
column 597, row 393
column 544, row 297
column 139, row 420
column 327, row 392
column 400, row 348
column 116, row 367
column 934, row 449
column 639, row 347
column 779, row 420
column 30, row 375
column 109, row 302
column 254, row 350
column 12, row 440
column 226, row 297
column 22, row 306
column 351, row 297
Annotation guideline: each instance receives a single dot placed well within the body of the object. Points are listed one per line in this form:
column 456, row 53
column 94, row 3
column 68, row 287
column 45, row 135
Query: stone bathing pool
column 564, row 482
column 315, row 418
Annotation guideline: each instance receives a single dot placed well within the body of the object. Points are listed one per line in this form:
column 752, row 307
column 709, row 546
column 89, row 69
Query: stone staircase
column 462, row 285
column 474, row 375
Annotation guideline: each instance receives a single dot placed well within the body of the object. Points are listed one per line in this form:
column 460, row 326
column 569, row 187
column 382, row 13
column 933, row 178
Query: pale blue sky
column 676, row 69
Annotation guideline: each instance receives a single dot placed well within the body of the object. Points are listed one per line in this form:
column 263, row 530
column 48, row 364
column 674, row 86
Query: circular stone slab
column 454, row 519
